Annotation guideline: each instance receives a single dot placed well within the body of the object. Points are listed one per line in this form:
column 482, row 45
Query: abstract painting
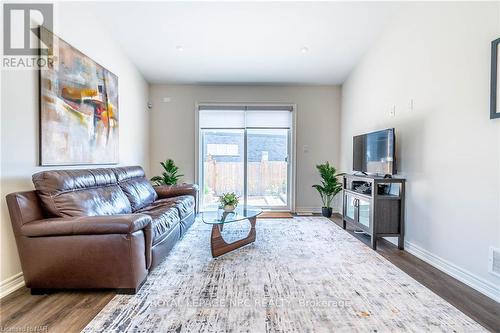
column 78, row 107
column 495, row 79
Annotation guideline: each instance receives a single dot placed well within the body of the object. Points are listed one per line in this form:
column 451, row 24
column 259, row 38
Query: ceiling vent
column 495, row 261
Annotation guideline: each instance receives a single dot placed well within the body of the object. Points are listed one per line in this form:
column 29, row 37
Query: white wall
column 19, row 116
column 437, row 54
column 318, row 109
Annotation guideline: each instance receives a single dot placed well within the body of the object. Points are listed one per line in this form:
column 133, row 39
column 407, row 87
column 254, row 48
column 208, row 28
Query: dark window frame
column 494, row 84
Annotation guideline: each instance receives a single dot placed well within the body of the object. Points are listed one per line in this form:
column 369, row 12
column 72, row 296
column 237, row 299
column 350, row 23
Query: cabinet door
column 364, row 212
column 350, row 207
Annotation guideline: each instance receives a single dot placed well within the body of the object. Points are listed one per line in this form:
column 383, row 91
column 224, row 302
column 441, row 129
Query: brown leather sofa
column 97, row 228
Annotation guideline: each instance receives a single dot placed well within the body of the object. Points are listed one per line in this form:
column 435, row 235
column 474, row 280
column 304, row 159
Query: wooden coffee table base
column 219, row 245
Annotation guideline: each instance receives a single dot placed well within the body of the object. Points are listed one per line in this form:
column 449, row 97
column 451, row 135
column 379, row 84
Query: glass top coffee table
column 218, row 218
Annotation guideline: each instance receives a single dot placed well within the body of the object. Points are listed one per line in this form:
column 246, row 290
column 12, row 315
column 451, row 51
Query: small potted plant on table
column 330, row 186
column 229, row 201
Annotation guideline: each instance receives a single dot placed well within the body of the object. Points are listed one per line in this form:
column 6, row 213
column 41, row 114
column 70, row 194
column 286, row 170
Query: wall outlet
column 166, row 99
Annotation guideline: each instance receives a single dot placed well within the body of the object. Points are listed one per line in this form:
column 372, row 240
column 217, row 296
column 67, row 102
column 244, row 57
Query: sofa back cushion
column 136, row 187
column 91, row 192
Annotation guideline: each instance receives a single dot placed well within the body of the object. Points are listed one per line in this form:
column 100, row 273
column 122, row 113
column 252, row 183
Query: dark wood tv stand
column 378, row 212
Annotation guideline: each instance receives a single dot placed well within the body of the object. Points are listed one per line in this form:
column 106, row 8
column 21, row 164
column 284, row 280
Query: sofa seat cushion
column 164, row 218
column 184, row 204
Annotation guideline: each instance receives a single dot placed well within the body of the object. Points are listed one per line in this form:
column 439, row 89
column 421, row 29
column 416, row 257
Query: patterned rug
column 301, row 275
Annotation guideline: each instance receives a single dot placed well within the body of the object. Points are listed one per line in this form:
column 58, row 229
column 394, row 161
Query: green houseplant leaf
column 170, row 175
column 229, row 199
column 330, row 184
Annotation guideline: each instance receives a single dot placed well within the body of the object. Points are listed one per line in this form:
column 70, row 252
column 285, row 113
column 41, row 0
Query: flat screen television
column 374, row 153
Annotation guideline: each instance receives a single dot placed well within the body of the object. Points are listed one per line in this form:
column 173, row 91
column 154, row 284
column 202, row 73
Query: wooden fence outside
column 264, row 178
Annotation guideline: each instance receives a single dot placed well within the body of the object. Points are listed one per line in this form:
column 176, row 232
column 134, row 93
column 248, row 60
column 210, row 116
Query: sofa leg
column 131, row 291
column 39, row 291
column 127, row 291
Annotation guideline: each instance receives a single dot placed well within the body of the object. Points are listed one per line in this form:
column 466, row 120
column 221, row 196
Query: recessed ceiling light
column 304, row 49
column 179, row 48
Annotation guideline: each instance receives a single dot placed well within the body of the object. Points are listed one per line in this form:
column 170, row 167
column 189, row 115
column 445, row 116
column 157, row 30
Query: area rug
column 301, row 275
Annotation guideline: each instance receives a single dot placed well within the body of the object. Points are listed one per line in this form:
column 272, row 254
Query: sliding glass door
column 223, row 164
column 247, row 152
column 267, row 167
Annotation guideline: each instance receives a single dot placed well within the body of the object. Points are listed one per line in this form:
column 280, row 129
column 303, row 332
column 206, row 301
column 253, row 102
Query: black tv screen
column 374, row 152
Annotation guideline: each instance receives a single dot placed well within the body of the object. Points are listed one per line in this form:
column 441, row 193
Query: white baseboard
column 485, row 287
column 315, row 210
column 11, row 284
column 307, row 210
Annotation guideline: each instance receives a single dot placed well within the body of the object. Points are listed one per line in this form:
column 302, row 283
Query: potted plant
column 170, row 175
column 229, row 201
column 330, row 186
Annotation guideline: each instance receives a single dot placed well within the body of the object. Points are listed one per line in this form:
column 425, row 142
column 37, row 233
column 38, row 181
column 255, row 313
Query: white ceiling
column 251, row 42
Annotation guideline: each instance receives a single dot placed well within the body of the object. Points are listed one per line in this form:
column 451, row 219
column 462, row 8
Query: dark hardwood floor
column 58, row 312
column 471, row 302
column 71, row 311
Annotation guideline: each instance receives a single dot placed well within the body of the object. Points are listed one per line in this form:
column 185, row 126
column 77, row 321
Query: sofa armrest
column 168, row 191
column 87, row 225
